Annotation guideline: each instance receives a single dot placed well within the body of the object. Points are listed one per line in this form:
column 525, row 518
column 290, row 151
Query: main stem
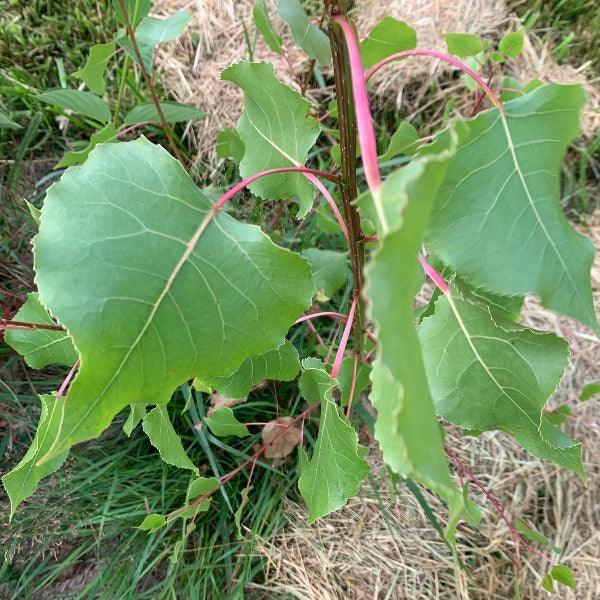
column 348, row 187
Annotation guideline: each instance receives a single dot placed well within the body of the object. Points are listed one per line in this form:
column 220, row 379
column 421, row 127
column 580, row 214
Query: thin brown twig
column 149, row 83
column 24, row 325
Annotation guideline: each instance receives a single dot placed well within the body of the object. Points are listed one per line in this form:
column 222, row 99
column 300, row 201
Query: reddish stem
column 434, row 275
column 65, row 383
column 337, row 363
column 23, row 325
column 335, row 315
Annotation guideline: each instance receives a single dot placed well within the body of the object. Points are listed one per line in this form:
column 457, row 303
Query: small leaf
column 589, row 390
column 559, row 415
column 230, row 145
column 35, row 212
column 151, row 32
column 152, row 523
column 314, row 381
column 329, row 271
column 345, row 376
column 463, row 44
column 276, row 130
column 201, row 486
column 497, row 56
column 173, row 112
column 386, row 38
column 403, row 141
column 136, row 10
column 106, row 135
column 512, row 43
column 280, row 364
column 92, row 73
column 83, row 103
column 164, row 438
column 548, row 583
column 308, row 36
column 223, row 423
column 263, row 24
column 563, row 574
column 218, row 401
column 7, row 123
column 335, row 470
column 21, row 481
column 281, row 444
column 531, row 534
column 137, row 411
column 40, row 347
column 240, row 511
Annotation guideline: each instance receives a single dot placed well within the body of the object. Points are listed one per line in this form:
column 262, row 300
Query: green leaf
column 563, row 574
column 136, row 10
column 497, row 56
column 151, row 32
column 173, row 112
column 230, row 145
column 20, row 483
column 263, row 24
column 335, row 471
column 276, row 131
column 345, row 376
column 92, row 73
column 589, row 390
column 400, row 393
column 329, row 271
column 137, row 411
column 559, row 415
column 512, row 44
column 314, row 382
column 499, row 204
column 223, row 423
column 531, row 534
column 198, row 487
column 386, row 38
column 548, row 583
column 7, row 123
column 489, row 373
column 164, row 438
column 35, row 212
column 83, row 103
column 107, row 134
column 463, row 44
column 308, row 36
column 152, row 523
column 145, row 283
column 279, row 364
column 403, row 141
column 40, row 347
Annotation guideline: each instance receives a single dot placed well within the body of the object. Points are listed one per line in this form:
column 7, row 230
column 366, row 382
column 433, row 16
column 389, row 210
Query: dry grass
column 191, row 70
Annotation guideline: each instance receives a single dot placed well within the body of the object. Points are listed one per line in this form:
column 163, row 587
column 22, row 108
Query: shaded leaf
column 141, row 279
column 345, row 376
column 40, row 347
column 106, row 135
column 137, row 411
column 329, row 271
column 21, row 481
column 83, row 103
column 499, row 204
column 563, row 574
column 223, row 422
column 230, row 145
column 35, row 212
column 308, row 36
column 403, row 141
column 164, row 438
column 263, row 24
column 7, row 123
column 152, row 523
column 559, row 415
column 173, row 112
column 335, row 470
column 92, row 73
column 276, row 131
column 488, row 373
column 386, row 38
column 281, row 444
column 589, row 390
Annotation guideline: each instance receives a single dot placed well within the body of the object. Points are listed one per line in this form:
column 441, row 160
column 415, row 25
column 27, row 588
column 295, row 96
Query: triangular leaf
column 403, row 141
column 106, row 135
column 92, row 73
column 386, row 38
column 223, row 423
column 463, row 44
column 137, row 411
column 7, row 123
column 40, row 347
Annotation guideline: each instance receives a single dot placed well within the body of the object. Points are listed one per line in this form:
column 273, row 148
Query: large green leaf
column 40, row 347
column 84, row 103
column 489, row 373
column 329, row 271
column 498, row 220
column 263, row 24
column 406, row 428
column 279, row 364
column 21, row 481
column 309, row 37
column 164, row 438
column 172, row 111
column 92, row 73
column 151, row 32
column 151, row 290
column 276, row 130
column 336, row 469
column 386, row 38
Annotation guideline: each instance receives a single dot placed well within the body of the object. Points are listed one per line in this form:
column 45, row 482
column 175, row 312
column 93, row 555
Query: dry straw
column 220, row 30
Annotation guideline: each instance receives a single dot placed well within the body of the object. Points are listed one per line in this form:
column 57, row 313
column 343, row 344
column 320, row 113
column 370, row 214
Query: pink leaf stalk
column 337, row 363
column 334, row 315
column 434, row 276
column 65, row 383
column 310, row 174
column 364, row 121
column 446, row 58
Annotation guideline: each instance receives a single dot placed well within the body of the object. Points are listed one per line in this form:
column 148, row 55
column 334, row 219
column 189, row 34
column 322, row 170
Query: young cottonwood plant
column 146, row 286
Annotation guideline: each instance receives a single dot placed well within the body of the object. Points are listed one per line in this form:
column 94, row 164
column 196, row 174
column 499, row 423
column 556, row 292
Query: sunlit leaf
column 83, row 103
column 92, row 73
column 463, row 44
column 512, row 44
column 386, row 38
column 152, row 523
